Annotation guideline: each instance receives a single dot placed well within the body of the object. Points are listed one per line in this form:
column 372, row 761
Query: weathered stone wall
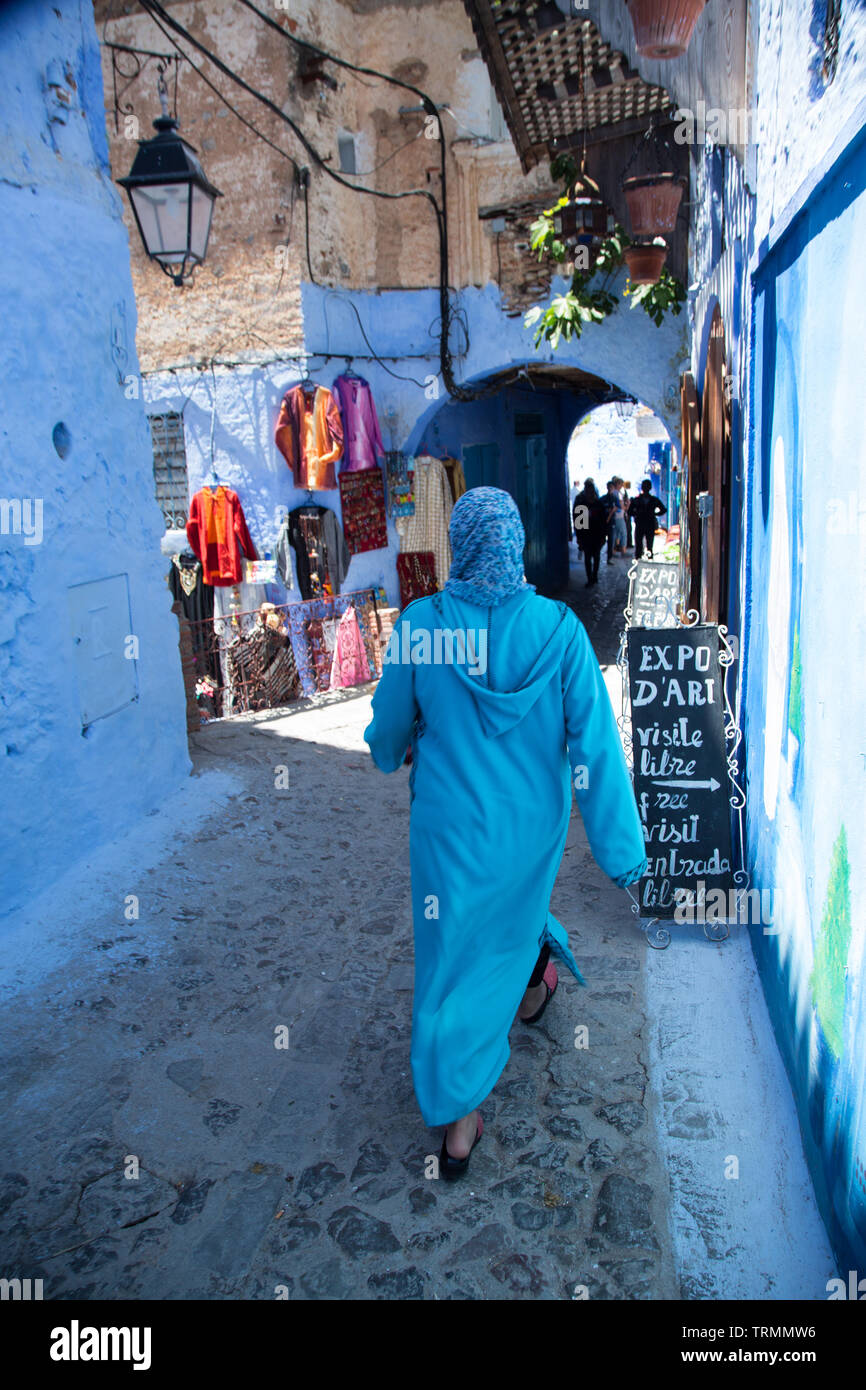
column 245, row 302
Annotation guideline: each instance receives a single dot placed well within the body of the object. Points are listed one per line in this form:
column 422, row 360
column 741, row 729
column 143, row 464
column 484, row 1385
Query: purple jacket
column 362, row 440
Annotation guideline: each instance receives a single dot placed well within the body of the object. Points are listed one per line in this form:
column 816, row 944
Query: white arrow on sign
column 712, row 784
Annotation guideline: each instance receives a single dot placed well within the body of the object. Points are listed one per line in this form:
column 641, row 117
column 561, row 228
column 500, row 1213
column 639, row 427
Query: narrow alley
column 221, row 1106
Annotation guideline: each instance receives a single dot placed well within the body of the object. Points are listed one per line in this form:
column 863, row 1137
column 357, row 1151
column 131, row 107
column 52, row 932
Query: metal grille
column 241, row 664
column 169, row 469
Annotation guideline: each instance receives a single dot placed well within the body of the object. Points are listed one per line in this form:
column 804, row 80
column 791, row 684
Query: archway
column 516, row 437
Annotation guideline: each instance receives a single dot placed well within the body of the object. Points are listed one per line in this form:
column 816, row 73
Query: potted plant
column 653, row 201
column 663, row 28
column 645, row 260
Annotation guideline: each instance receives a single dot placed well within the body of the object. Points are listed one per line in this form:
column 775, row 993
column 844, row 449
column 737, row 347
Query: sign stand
column 651, row 602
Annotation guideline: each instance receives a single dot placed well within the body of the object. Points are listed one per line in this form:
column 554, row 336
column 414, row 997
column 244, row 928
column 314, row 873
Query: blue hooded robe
column 498, row 740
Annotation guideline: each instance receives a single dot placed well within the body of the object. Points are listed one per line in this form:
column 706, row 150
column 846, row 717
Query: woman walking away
column 497, row 738
column 594, row 533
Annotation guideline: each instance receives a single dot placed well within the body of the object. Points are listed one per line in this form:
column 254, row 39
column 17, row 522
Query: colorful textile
column 362, row 440
column 217, row 532
column 427, row 528
column 401, row 497
column 416, row 574
column 487, row 540
column 309, row 435
column 350, row 665
column 299, row 614
column 496, row 752
column 362, row 499
column 321, row 555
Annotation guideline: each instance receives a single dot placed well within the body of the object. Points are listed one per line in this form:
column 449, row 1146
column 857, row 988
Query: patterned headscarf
column 487, row 540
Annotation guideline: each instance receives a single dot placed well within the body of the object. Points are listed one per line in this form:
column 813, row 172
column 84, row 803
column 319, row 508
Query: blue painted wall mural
column 804, row 701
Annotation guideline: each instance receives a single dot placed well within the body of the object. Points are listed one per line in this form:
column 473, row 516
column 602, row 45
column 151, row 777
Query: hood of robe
column 501, row 710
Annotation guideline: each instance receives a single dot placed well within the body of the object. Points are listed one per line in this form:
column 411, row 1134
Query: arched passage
column 517, row 438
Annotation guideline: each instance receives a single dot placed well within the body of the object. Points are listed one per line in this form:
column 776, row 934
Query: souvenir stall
column 252, row 651
column 331, row 441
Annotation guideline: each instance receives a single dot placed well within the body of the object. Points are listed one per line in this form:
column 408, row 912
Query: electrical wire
column 156, row 11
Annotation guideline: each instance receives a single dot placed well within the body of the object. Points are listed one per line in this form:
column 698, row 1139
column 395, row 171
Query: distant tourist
column 615, row 514
column 644, row 509
column 626, row 502
column 594, row 530
column 579, row 513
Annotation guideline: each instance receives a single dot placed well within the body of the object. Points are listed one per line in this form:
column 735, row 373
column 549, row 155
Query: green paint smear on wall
column 831, row 955
column 795, row 698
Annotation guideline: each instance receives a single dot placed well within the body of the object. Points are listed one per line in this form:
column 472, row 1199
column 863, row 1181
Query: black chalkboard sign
column 654, row 591
column 680, row 766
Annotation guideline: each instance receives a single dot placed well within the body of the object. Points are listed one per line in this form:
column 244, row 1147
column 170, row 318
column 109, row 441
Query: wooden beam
column 481, row 14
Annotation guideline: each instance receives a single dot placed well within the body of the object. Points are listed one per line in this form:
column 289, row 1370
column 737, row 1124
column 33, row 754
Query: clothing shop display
column 321, row 554
column 310, row 638
column 187, row 666
column 456, row 477
column 309, row 435
column 416, row 575
column 362, row 440
column 350, row 665
column 495, row 758
column 196, row 599
column 427, row 528
column 217, row 532
column 362, row 499
column 401, row 498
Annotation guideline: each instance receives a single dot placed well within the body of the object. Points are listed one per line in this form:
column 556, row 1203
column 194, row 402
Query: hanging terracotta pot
column 653, row 201
column 645, row 263
column 663, row 28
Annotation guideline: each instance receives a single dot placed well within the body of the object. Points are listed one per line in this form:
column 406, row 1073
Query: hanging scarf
column 487, row 540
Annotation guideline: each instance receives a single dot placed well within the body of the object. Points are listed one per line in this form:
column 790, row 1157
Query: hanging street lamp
column 625, row 407
column 585, row 219
column 171, row 199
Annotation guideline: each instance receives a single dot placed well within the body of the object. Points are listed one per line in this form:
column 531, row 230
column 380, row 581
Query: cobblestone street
column 301, row 1171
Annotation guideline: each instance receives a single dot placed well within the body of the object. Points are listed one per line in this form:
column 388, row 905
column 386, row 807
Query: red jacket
column 217, row 531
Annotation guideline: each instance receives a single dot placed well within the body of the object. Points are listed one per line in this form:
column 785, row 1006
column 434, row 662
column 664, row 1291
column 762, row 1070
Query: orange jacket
column 309, row 435
column 217, row 530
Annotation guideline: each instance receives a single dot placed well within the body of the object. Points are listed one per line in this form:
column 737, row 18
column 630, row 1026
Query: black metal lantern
column 172, row 200
column 584, row 219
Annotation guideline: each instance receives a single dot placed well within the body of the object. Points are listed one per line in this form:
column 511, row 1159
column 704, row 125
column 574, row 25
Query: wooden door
column 691, row 483
column 716, row 452
column 531, row 488
column 481, row 465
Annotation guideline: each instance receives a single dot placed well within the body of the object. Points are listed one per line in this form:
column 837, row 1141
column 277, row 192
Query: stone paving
column 216, row 1101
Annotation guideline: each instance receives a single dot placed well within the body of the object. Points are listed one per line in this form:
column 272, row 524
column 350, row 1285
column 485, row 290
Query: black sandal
column 450, row 1167
column 551, row 990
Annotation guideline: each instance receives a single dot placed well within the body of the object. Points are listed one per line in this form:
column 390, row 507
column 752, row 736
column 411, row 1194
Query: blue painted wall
column 803, row 698
column 65, row 294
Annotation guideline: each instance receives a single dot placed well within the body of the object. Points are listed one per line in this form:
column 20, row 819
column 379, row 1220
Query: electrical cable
column 459, row 392
column 225, row 101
